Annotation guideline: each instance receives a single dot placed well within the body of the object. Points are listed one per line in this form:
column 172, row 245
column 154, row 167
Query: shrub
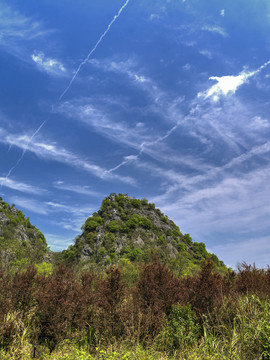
column 145, row 223
column 183, row 329
column 136, row 203
column 251, row 280
column 23, row 289
column 187, row 239
column 182, row 247
column 206, row 290
column 60, row 307
column 110, row 295
column 92, row 223
column 156, row 291
column 114, row 226
column 109, row 242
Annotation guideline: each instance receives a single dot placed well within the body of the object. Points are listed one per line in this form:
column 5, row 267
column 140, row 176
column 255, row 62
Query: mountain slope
column 134, row 229
column 21, row 243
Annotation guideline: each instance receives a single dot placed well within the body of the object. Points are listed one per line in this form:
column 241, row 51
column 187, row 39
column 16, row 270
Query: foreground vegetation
column 62, row 315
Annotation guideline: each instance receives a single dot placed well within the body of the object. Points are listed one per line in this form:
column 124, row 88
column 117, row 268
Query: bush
column 111, row 293
column 156, row 291
column 92, row 223
column 183, row 329
column 206, row 290
column 114, row 226
column 136, row 203
column 60, row 307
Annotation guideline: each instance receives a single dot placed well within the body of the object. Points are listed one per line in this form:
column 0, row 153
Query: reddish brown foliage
column 156, row 291
column 60, row 307
column 23, row 289
column 110, row 297
column 206, row 290
column 252, row 280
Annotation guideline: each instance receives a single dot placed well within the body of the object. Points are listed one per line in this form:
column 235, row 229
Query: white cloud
column 19, row 186
column 215, row 29
column 222, row 12
column 49, row 65
column 229, row 84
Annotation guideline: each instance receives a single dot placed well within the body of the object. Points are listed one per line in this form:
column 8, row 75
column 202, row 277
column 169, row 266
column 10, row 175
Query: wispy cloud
column 237, row 251
column 32, row 205
column 127, row 67
column 49, row 65
column 25, row 148
column 153, row 17
column 233, row 203
column 70, row 217
column 58, row 242
column 14, row 25
column 53, row 152
column 19, row 186
column 18, row 30
column 216, row 30
column 206, row 53
column 99, row 118
column 83, row 190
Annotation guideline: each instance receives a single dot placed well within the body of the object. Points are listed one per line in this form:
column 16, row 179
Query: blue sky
column 164, row 100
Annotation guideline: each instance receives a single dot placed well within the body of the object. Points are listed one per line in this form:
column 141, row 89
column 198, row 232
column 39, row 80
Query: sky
column 160, row 99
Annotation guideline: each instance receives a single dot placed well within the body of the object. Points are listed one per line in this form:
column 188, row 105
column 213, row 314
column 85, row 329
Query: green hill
column 127, row 230
column 21, row 243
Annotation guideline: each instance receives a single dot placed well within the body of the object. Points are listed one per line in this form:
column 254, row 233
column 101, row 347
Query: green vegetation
column 136, row 230
column 21, row 243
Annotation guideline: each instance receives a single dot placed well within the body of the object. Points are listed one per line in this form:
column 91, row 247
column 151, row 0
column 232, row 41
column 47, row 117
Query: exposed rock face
column 20, row 241
column 133, row 229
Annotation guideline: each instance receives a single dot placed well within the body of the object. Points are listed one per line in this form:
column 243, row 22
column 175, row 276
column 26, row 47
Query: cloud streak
column 22, row 155
column 78, row 189
column 19, row 186
column 93, row 50
column 53, row 152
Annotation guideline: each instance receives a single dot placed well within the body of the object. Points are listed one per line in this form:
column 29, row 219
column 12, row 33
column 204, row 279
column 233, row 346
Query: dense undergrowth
column 63, row 315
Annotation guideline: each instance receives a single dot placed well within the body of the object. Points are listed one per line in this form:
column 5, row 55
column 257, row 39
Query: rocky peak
column 125, row 227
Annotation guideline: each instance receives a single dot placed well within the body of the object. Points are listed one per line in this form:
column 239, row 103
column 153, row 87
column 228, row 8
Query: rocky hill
column 21, row 243
column 132, row 229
